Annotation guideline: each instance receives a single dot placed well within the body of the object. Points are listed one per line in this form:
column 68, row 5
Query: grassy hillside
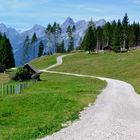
column 44, row 61
column 58, row 98
column 125, row 66
column 43, row 107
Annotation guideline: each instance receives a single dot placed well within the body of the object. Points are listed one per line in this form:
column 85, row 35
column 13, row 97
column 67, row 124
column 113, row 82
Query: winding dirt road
column 115, row 115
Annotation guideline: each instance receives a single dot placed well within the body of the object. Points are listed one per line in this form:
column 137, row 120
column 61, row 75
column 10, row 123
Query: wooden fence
column 14, row 88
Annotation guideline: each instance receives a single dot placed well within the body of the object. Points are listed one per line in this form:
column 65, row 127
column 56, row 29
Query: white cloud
column 89, row 9
column 13, row 4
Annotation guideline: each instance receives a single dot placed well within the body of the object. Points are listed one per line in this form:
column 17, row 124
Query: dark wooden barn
column 33, row 72
column 107, row 48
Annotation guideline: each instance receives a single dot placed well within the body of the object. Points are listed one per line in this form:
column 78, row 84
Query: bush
column 21, row 75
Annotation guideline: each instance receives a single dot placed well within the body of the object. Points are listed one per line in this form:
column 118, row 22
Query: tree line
column 55, row 42
column 29, row 48
column 119, row 36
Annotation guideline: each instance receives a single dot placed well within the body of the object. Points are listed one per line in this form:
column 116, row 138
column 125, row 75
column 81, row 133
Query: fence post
column 2, row 90
column 11, row 89
column 19, row 88
column 7, row 90
column 16, row 89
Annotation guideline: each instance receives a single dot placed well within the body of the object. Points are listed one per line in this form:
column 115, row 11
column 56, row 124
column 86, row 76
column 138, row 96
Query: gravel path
column 115, row 115
column 59, row 62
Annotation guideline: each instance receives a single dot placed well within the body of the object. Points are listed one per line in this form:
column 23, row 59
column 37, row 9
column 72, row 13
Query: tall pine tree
column 25, row 54
column 89, row 41
column 49, row 31
column 41, row 48
column 117, row 41
column 71, row 39
column 33, row 41
column 6, row 53
column 125, row 24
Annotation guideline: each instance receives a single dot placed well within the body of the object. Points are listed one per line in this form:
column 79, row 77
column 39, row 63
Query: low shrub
column 21, row 75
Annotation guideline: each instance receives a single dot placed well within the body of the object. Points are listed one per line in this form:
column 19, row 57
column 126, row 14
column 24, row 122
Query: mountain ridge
column 17, row 38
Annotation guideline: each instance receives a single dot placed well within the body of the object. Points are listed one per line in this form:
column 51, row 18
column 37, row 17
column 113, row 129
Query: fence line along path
column 14, row 88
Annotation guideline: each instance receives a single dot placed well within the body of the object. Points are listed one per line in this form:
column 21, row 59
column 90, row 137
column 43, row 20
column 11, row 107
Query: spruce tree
column 71, row 44
column 33, row 41
column 131, row 37
column 6, row 53
column 57, row 34
column 41, row 48
column 49, row 31
column 99, row 38
column 136, row 33
column 107, row 32
column 25, row 54
column 125, row 24
column 71, row 39
column 89, row 40
column 117, row 41
column 63, row 47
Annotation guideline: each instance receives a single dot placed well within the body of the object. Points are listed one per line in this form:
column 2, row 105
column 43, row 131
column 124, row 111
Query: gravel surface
column 114, row 116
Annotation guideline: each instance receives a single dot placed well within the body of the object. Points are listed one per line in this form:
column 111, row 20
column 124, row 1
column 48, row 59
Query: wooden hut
column 33, row 72
column 107, row 48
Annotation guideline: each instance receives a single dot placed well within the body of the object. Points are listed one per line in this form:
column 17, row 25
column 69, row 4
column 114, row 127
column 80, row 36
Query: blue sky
column 23, row 14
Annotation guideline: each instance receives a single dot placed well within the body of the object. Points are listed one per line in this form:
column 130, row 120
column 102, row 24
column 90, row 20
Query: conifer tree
column 71, row 39
column 117, row 41
column 57, row 34
column 71, row 44
column 41, row 48
column 99, row 38
column 61, row 48
column 49, row 30
column 25, row 54
column 6, row 53
column 89, row 41
column 136, row 33
column 107, row 32
column 125, row 24
column 33, row 41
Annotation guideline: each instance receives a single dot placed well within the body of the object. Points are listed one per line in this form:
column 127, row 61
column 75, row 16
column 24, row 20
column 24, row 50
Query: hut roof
column 31, row 67
column 107, row 48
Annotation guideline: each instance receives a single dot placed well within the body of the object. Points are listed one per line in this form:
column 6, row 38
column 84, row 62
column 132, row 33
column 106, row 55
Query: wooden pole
column 16, row 89
column 2, row 89
column 11, row 89
column 19, row 88
column 7, row 90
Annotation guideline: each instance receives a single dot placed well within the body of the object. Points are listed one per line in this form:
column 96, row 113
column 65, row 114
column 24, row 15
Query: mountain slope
column 17, row 39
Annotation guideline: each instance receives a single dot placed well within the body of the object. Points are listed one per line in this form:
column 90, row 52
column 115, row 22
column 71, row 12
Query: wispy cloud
column 13, row 4
column 90, row 8
column 137, row 2
column 25, row 13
